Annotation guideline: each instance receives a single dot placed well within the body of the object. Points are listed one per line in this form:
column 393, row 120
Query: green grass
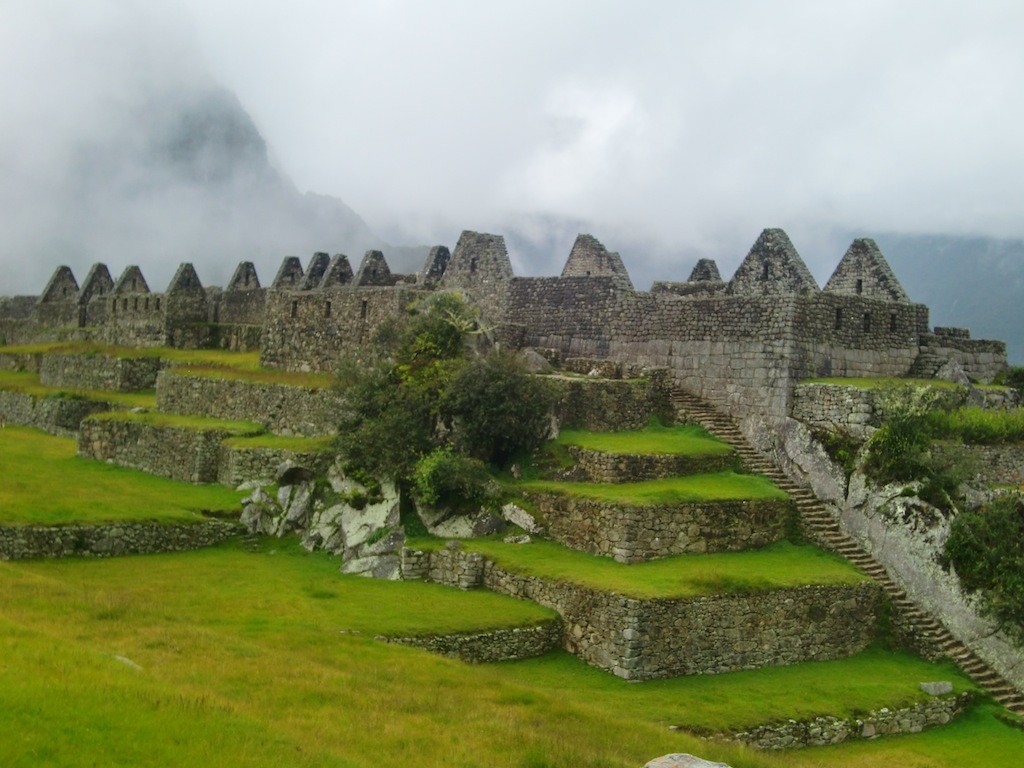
column 218, row 357
column 978, row 426
column 883, row 382
column 778, row 566
column 266, row 658
column 733, row 702
column 282, row 443
column 715, row 486
column 198, row 423
column 687, row 440
column 259, row 375
column 45, row 483
column 27, row 383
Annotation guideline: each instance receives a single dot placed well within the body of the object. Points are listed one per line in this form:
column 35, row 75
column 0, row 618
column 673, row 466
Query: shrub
column 444, row 477
column 986, row 546
column 498, row 409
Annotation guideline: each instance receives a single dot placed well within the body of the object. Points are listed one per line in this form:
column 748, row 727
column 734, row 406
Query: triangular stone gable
column 97, row 283
column 373, row 270
column 435, row 265
column 338, row 272
column 244, row 278
column 478, row 257
column 131, row 281
column 772, row 268
column 589, row 258
column 289, row 276
column 863, row 271
column 706, row 270
column 316, row 270
column 62, row 286
column 185, row 280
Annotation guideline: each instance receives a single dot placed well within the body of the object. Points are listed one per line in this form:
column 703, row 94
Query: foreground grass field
column 228, row 657
column 46, row 483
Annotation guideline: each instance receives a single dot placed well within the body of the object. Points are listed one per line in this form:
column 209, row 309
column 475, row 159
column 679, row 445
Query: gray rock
column 534, row 362
column 938, row 688
column 682, row 760
column 520, row 517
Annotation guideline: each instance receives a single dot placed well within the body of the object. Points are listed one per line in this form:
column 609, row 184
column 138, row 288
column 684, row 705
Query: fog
column 670, row 130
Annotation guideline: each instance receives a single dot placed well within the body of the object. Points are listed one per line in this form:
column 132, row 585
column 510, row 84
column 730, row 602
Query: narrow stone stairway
column 824, row 529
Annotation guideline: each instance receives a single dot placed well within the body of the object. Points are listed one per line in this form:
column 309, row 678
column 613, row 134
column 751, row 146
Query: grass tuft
column 715, row 486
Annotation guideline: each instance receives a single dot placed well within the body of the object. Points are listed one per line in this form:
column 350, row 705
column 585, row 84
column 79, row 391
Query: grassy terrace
column 47, row 484
column 686, row 440
column 281, row 443
column 266, row 658
column 258, row 375
column 778, row 566
column 198, row 423
column 27, row 383
column 715, row 486
column 217, row 357
column 885, row 382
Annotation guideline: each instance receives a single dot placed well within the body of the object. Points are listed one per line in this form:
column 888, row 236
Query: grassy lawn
column 686, row 440
column 978, row 426
column 297, row 444
column 27, row 383
column 259, row 375
column 198, row 423
column 218, row 357
column 777, row 566
column 45, row 483
column 715, row 486
column 883, row 382
column 267, row 659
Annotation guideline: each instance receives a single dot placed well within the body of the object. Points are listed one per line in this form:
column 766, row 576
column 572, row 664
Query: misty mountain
column 180, row 174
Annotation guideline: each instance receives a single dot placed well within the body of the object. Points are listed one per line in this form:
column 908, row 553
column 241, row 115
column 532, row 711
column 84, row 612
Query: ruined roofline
column 61, row 286
column 244, row 278
column 131, row 281
column 97, row 283
column 864, row 271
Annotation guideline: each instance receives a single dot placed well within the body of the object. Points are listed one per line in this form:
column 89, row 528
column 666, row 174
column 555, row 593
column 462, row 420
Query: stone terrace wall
column 825, row 730
column 20, row 361
column 110, row 540
column 56, row 415
column 181, row 454
column 608, row 404
column 647, row 639
column 238, row 465
column 634, row 534
column 994, row 464
column 279, row 407
column 117, row 374
column 493, row 645
column 601, row 467
column 310, row 331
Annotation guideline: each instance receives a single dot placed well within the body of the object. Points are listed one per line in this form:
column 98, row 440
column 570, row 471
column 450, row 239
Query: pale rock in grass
column 441, row 521
column 534, row 362
column 520, row 517
column 682, row 760
column 260, row 513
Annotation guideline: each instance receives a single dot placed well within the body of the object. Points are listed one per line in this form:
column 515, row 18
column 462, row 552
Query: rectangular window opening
column 295, row 309
column 839, row 318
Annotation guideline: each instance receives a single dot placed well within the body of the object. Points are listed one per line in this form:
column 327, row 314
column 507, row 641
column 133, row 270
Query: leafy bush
column 444, row 477
column 986, row 546
column 498, row 409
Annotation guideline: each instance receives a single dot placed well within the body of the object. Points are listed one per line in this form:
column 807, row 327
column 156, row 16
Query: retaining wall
column 117, row 374
column 647, row 639
column 56, row 415
column 610, row 404
column 493, row 645
column 280, row 408
column 601, row 467
column 238, row 465
column 636, row 533
column 111, row 539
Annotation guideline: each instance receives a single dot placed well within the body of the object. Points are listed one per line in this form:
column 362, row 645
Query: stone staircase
column 824, row 529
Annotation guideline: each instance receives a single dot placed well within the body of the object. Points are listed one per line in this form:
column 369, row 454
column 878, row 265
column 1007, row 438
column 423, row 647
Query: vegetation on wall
column 429, row 406
column 986, row 546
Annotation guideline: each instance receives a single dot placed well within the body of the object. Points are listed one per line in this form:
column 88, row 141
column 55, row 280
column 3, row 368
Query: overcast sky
column 688, row 125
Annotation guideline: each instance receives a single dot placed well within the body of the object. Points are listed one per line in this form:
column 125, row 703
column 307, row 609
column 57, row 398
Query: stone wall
column 825, row 730
column 993, row 464
column 111, row 539
column 239, row 465
column 602, row 467
column 312, row 330
column 493, row 645
column 608, row 404
column 190, row 455
column 281, row 408
column 56, row 415
column 647, row 639
column 634, row 533
column 117, row 374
